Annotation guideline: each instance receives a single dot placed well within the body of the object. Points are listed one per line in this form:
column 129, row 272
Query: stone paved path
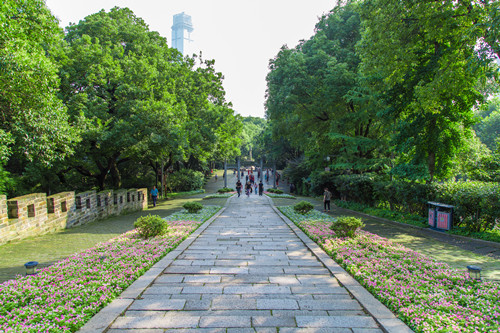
column 246, row 272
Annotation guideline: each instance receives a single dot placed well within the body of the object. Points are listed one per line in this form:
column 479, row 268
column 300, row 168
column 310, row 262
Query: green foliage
column 346, row 226
column 225, row 190
column 275, row 190
column 303, row 207
column 393, row 215
column 150, row 226
column 180, row 194
column 477, row 204
column 193, row 207
column 34, row 123
column 185, row 180
column 315, row 89
column 139, row 101
column 488, row 130
column 430, row 76
column 252, row 129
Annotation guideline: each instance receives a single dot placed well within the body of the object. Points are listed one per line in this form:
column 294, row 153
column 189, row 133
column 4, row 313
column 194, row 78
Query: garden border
column 101, row 321
column 384, row 317
column 437, row 232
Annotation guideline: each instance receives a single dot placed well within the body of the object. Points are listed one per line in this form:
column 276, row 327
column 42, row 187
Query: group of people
column 249, row 188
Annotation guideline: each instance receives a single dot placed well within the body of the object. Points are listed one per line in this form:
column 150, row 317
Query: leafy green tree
column 428, row 58
column 488, row 127
column 315, row 90
column 139, row 101
column 33, row 121
column 252, row 129
column 117, row 81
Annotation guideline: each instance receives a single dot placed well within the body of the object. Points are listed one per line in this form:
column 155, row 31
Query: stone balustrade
column 37, row 214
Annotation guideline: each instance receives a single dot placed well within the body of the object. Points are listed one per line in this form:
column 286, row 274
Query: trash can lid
column 31, row 264
column 473, row 268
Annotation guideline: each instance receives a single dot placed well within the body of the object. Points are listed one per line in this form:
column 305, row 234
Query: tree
column 315, row 89
column 33, row 121
column 488, row 128
column 252, row 129
column 430, row 56
column 117, row 81
column 137, row 100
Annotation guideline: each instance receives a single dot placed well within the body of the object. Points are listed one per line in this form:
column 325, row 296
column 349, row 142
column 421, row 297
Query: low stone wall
column 37, row 214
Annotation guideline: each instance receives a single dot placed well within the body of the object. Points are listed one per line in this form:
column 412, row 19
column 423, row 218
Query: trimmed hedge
column 477, row 204
column 185, row 180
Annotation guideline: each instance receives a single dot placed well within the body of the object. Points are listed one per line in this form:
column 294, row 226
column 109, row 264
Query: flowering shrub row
column 64, row 296
column 281, row 196
column 429, row 296
column 220, row 195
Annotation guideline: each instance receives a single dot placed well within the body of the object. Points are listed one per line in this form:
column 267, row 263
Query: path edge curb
column 384, row 317
column 103, row 319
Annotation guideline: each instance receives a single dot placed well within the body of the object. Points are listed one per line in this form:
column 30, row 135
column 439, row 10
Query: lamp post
column 474, row 272
column 225, row 173
column 274, row 175
column 238, row 168
column 31, row 267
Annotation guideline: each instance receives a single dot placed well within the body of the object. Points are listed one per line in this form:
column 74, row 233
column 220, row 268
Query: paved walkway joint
column 248, row 270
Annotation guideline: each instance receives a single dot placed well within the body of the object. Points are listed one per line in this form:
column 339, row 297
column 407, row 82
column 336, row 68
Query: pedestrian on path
column 261, row 188
column 216, row 177
column 154, row 195
column 238, row 187
column 248, row 189
column 327, row 196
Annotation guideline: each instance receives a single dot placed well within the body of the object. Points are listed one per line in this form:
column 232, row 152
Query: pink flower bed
column 62, row 297
column 429, row 296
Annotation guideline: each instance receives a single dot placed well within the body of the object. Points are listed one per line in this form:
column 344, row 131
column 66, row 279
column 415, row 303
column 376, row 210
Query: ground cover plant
column 427, row 295
column 64, row 296
column 220, row 195
column 181, row 194
column 225, row 190
column 192, row 207
column 281, row 196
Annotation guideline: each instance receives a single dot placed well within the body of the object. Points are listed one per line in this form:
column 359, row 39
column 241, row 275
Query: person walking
column 327, row 196
column 154, row 195
column 238, row 187
column 248, row 189
column 261, row 188
column 216, row 177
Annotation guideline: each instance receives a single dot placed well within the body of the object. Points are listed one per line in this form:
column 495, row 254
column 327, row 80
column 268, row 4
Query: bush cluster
column 346, row 226
column 225, row 190
column 303, row 207
column 477, row 204
column 150, row 226
column 185, row 180
column 275, row 190
column 193, row 207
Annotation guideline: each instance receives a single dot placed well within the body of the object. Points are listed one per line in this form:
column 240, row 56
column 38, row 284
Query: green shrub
column 185, row 180
column 346, row 226
column 275, row 190
column 150, row 226
column 193, row 207
column 225, row 190
column 303, row 207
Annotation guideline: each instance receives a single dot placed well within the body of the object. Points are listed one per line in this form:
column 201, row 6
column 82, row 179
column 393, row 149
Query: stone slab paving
column 247, row 270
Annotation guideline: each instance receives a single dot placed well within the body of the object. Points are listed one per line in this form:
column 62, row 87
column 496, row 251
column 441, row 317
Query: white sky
column 240, row 35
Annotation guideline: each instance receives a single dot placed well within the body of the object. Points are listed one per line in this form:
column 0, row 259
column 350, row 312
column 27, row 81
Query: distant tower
column 181, row 31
